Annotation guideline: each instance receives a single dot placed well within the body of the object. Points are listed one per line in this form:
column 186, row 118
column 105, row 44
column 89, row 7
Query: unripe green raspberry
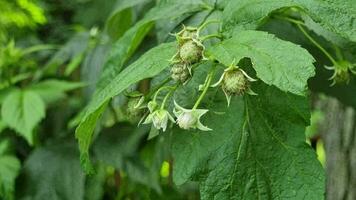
column 133, row 110
column 342, row 76
column 191, row 52
column 235, row 82
column 180, row 72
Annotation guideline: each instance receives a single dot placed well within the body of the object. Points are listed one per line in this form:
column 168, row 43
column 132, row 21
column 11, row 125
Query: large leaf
column 22, row 110
column 276, row 62
column 149, row 65
column 9, row 169
column 335, row 16
column 53, row 172
column 256, row 150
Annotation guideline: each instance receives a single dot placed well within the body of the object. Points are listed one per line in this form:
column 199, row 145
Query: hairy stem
column 206, row 87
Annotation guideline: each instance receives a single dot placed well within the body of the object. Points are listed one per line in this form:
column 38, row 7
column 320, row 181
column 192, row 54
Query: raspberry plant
column 256, row 148
column 222, row 88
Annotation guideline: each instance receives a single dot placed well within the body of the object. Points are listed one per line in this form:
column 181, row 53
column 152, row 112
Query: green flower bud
column 191, row 52
column 159, row 118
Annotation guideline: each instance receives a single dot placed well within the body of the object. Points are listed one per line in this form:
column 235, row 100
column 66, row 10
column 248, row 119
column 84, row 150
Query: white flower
column 159, row 118
column 187, row 119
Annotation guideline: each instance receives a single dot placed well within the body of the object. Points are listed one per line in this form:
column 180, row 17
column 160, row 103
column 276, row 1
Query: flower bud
column 186, row 120
column 159, row 118
column 190, row 118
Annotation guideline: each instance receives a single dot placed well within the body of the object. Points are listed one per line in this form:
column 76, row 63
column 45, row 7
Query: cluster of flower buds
column 190, row 51
column 235, row 81
column 342, row 72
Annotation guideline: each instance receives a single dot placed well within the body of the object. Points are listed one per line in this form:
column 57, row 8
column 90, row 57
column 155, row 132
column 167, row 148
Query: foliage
column 237, row 76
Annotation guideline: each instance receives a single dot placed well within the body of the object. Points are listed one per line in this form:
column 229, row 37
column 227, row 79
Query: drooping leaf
column 52, row 89
column 22, row 110
column 53, row 172
column 276, row 62
column 256, row 150
column 148, row 65
column 335, row 16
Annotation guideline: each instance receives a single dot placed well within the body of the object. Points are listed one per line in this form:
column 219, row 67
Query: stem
column 160, row 89
column 294, row 21
column 211, row 36
column 206, row 23
column 300, row 25
column 206, row 87
column 167, row 96
column 149, row 95
column 317, row 44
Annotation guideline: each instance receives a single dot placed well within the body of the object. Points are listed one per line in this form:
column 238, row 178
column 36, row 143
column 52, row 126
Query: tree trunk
column 338, row 131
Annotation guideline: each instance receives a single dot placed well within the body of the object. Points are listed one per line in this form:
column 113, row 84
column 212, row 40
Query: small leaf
column 276, row 62
column 22, row 110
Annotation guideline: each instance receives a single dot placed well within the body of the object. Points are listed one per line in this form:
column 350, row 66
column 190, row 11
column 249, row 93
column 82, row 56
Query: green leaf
column 22, row 110
column 276, row 62
column 2, row 126
column 52, row 90
column 76, row 46
column 149, row 65
column 335, row 16
column 120, row 20
column 119, row 23
column 256, row 150
column 121, row 146
column 53, row 172
column 9, row 169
